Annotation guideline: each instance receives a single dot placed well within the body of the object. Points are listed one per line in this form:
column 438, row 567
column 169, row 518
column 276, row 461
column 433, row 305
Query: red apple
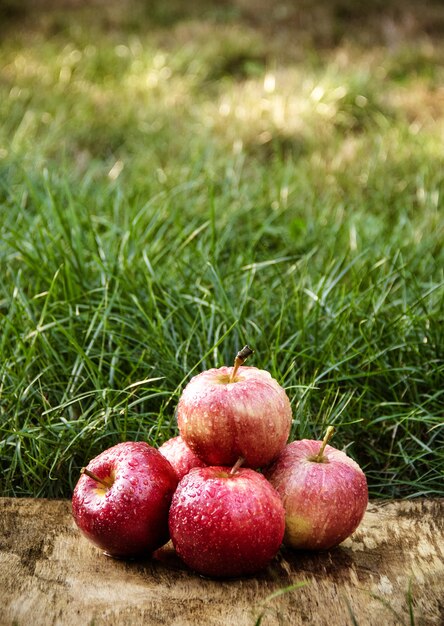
column 226, row 524
column 230, row 412
column 324, row 493
column 121, row 501
column 181, row 457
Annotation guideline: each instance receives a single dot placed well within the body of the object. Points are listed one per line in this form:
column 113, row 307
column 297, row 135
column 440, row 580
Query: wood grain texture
column 51, row 575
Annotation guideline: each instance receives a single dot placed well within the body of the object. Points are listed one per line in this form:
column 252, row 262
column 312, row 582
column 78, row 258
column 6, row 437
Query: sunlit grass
column 173, row 187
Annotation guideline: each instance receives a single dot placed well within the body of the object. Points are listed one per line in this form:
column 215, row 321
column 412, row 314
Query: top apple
column 230, row 412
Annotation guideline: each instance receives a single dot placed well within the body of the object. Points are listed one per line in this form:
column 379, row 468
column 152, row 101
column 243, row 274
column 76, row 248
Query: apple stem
column 237, row 465
column 103, row 481
column 240, row 359
column 328, row 435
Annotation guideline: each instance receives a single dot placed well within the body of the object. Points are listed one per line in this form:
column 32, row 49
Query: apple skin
column 131, row 516
column 224, row 525
column 221, row 421
column 181, row 457
column 324, row 501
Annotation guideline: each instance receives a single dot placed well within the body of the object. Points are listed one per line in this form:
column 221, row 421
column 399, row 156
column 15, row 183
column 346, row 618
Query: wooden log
column 392, row 568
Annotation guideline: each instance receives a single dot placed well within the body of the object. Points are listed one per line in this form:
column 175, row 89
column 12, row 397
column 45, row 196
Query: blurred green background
column 178, row 179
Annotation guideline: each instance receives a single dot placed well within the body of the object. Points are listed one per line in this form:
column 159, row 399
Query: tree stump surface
column 390, row 572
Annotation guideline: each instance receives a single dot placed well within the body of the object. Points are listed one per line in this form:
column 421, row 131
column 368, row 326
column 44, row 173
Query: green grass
column 174, row 185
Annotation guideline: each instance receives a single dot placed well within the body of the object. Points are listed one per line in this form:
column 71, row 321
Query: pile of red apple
column 204, row 491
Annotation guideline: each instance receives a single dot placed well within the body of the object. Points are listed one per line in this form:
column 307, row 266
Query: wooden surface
column 50, row 574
